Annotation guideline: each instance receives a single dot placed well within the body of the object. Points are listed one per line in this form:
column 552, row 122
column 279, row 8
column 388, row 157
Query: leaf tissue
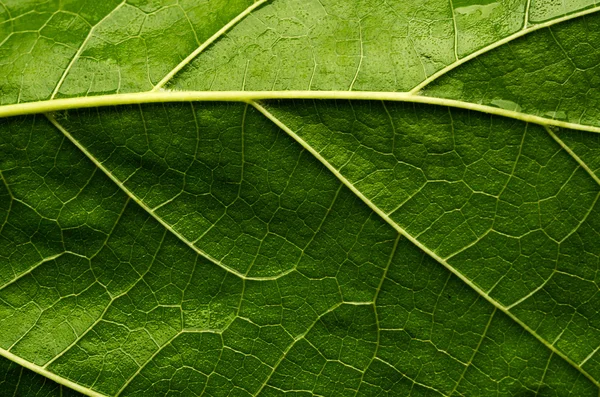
column 299, row 197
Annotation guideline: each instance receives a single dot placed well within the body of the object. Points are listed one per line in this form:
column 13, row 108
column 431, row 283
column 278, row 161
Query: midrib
column 257, row 96
column 158, row 95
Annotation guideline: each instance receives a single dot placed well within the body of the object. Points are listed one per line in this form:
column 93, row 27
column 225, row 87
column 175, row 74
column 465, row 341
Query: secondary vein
column 207, row 43
column 150, row 211
column 413, row 240
column 526, row 30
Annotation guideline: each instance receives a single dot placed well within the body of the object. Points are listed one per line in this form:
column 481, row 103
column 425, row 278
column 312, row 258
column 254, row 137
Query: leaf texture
column 333, row 198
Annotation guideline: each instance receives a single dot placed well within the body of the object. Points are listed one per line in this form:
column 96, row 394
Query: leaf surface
column 271, row 226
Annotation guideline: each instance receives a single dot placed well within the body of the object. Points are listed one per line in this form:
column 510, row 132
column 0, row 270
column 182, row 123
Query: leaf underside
column 268, row 245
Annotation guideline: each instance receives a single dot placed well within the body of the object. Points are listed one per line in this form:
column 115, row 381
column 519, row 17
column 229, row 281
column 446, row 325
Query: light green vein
column 30, row 269
column 132, row 196
column 291, row 345
column 377, row 322
column 207, row 43
column 527, row 9
column 483, row 335
column 581, row 163
column 514, row 36
column 81, row 48
column 253, row 96
column 50, row 375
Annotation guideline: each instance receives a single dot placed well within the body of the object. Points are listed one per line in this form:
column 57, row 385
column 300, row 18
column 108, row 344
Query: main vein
column 254, row 96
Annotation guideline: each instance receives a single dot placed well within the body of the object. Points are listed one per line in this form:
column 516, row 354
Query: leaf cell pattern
column 307, row 246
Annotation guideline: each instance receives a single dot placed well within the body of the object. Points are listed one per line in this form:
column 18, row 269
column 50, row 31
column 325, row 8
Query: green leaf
column 327, row 198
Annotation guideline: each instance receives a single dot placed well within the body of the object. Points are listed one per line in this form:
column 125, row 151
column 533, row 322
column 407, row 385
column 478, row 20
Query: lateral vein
column 207, row 43
column 526, row 30
column 578, row 159
column 50, row 375
column 408, row 236
column 81, row 48
column 150, row 211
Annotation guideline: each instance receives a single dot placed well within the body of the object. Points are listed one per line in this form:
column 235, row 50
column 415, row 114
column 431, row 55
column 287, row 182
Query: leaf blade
column 252, row 305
